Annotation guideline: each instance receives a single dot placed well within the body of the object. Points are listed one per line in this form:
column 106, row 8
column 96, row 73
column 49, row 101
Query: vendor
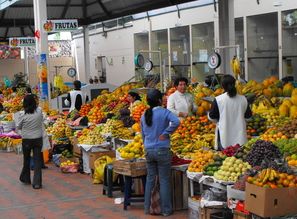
column 180, row 102
column 76, row 98
column 133, row 98
column 229, row 110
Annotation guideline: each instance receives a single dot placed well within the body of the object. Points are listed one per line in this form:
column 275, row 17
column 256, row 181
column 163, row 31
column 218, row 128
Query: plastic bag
column 155, row 207
column 99, row 164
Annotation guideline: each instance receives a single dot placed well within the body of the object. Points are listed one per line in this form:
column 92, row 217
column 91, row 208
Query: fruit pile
column 189, row 150
column 256, row 125
column 269, row 178
column 91, row 136
column 96, row 115
column 290, row 129
column 135, row 149
column 117, row 129
column 137, row 111
column 231, row 169
column 66, row 153
column 231, row 150
column 287, row 146
column 273, row 135
column 69, row 167
column 176, row 161
column 200, row 160
column 213, row 167
column 292, row 160
column 58, row 129
column 262, row 150
column 85, row 109
column 14, row 104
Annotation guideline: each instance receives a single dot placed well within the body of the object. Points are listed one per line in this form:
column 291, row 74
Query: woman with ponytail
column 156, row 125
column 229, row 110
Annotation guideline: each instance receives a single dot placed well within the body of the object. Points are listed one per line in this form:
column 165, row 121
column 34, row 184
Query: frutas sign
column 60, row 25
column 22, row 42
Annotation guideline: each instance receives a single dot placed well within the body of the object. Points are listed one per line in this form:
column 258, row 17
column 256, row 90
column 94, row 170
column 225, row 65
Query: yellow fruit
column 284, row 110
column 293, row 111
column 294, row 99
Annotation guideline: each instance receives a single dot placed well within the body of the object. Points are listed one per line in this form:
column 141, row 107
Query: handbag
column 155, row 207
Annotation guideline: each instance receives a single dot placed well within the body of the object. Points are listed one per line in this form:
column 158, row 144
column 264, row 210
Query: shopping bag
column 155, row 207
column 99, row 164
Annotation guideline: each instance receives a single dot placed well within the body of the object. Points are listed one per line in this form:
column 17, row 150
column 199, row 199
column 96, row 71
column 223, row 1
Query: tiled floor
column 70, row 196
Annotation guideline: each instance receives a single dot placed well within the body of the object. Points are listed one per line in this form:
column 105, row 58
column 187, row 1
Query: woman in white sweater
column 30, row 124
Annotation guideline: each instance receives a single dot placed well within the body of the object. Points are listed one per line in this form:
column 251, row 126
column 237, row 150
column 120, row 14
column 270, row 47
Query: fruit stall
column 210, row 183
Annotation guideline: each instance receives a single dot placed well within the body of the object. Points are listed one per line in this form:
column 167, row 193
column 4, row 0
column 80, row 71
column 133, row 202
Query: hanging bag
column 155, row 207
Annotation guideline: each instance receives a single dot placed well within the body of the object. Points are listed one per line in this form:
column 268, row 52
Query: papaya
column 294, row 99
column 284, row 110
column 293, row 112
column 287, row 102
column 294, row 92
column 287, row 89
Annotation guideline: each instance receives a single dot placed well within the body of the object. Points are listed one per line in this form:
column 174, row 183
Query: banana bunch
column 267, row 175
column 91, row 137
column 235, row 65
column 124, row 133
column 263, row 105
column 208, row 138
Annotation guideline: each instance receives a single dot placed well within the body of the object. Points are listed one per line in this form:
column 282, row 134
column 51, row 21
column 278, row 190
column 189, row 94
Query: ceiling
column 18, row 19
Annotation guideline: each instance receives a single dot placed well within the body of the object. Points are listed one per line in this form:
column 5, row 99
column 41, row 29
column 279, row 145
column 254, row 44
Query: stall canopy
column 17, row 17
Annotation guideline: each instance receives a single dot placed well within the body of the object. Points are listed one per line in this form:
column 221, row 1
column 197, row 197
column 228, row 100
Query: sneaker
column 166, row 214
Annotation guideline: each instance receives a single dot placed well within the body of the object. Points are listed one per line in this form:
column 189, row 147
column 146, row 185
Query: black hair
column 228, row 83
column 134, row 95
column 77, row 84
column 176, row 81
column 154, row 98
column 29, row 104
column 28, row 90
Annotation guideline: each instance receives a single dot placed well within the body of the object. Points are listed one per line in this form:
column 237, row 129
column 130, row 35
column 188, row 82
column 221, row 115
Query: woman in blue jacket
column 156, row 125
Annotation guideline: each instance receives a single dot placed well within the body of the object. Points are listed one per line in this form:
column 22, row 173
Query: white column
column 87, row 53
column 245, row 45
column 169, row 54
column 26, row 64
column 280, row 45
column 226, row 33
column 40, row 16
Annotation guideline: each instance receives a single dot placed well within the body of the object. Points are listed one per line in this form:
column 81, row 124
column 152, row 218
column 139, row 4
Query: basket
column 131, row 168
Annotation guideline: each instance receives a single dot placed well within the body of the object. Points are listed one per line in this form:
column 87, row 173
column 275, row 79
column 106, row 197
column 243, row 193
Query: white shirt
column 232, row 124
column 181, row 102
column 73, row 95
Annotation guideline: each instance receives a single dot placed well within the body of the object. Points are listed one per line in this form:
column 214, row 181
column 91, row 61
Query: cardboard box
column 268, row 202
column 240, row 215
column 130, row 168
column 76, row 149
column 95, row 155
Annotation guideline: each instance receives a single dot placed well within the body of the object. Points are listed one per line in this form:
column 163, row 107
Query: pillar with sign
column 40, row 15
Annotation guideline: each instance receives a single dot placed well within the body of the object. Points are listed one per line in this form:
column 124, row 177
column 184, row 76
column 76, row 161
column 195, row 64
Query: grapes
column 262, row 150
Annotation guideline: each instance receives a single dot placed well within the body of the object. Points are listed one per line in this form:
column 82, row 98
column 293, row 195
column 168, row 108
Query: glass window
column 141, row 42
column 180, row 51
column 239, row 40
column 160, row 42
column 262, row 40
column 289, row 38
column 203, row 44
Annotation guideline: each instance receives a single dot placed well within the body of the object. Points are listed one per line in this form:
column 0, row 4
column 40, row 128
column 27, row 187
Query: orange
column 286, row 183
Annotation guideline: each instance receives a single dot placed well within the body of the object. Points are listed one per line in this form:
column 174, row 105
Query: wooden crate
column 130, row 168
column 180, row 190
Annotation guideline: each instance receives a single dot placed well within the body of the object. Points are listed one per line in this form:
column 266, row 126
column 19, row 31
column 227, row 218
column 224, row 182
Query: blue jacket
column 164, row 123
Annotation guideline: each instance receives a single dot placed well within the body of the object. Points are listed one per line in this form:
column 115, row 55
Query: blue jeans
column 158, row 163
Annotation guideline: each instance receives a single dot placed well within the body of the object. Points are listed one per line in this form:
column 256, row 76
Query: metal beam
column 48, row 5
column 65, row 9
column 104, row 8
column 84, row 8
column 30, row 27
column 22, row 31
column 6, row 32
column 3, row 14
